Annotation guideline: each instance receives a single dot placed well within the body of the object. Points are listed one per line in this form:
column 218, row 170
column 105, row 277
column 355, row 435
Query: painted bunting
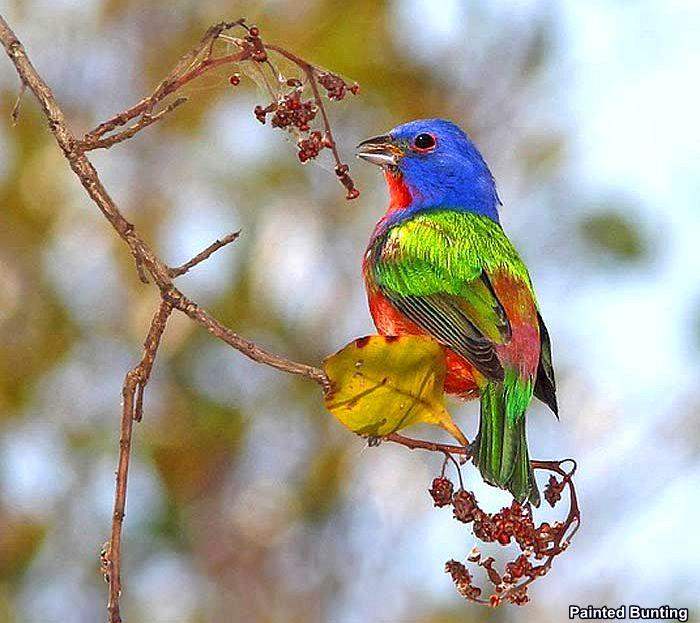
column 439, row 263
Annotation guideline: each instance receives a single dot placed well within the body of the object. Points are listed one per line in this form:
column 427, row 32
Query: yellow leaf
column 380, row 385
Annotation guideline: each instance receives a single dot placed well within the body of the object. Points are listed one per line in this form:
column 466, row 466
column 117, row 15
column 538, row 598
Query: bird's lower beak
column 379, row 150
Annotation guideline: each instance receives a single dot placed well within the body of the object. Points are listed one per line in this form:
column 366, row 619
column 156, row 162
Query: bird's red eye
column 424, row 141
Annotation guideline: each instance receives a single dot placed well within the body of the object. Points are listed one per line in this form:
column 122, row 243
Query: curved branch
column 145, row 120
column 174, row 80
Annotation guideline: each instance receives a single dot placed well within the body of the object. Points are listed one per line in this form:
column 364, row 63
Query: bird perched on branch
column 439, row 263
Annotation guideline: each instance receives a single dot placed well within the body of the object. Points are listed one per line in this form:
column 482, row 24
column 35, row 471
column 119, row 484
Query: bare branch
column 184, row 71
column 204, row 255
column 132, row 409
column 418, row 444
column 144, row 121
column 250, row 349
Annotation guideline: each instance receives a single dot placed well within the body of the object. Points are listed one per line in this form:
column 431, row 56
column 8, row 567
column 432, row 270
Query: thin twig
column 174, row 79
column 14, row 115
column 144, row 121
column 431, row 446
column 180, row 302
column 134, row 383
column 204, row 255
column 147, row 104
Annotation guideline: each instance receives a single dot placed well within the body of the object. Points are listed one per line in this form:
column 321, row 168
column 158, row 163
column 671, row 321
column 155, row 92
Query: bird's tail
column 500, row 448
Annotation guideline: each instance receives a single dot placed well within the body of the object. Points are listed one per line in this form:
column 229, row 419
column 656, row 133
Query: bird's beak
column 379, row 150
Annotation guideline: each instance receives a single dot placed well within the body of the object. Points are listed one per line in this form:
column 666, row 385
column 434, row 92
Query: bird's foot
column 373, row 441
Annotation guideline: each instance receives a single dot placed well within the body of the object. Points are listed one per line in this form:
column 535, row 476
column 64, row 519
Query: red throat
column 399, row 195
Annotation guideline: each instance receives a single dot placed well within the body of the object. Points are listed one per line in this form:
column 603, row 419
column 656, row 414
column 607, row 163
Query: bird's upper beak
column 379, row 150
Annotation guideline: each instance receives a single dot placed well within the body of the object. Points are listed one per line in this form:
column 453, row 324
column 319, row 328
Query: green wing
column 454, row 323
column 434, row 269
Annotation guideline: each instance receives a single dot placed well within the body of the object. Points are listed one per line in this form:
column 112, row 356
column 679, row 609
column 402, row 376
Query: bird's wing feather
column 435, row 270
column 545, row 385
column 447, row 319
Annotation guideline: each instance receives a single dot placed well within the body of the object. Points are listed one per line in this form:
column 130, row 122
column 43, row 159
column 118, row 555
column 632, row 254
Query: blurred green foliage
column 615, row 233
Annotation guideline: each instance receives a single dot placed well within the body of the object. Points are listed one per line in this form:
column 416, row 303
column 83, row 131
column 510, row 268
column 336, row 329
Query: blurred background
column 247, row 502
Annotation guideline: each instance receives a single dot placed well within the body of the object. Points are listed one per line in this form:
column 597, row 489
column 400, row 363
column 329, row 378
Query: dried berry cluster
column 342, row 171
column 290, row 111
column 311, row 146
column 462, row 579
column 293, row 112
column 552, row 492
column 253, row 37
column 513, row 524
column 336, row 88
column 441, row 491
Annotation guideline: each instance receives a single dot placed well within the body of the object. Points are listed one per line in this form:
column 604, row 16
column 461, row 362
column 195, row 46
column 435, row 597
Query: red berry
column 442, row 489
column 465, row 506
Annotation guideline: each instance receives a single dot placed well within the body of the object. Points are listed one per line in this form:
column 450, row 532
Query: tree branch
column 204, row 255
column 14, row 115
column 93, row 142
column 431, row 446
column 132, row 409
column 144, row 257
column 175, row 79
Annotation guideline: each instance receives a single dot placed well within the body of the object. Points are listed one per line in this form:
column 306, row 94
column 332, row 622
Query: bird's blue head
column 432, row 163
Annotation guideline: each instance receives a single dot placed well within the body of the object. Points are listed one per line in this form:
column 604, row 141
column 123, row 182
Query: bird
column 439, row 263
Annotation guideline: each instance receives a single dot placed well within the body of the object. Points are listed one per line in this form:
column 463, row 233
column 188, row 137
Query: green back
column 443, row 251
